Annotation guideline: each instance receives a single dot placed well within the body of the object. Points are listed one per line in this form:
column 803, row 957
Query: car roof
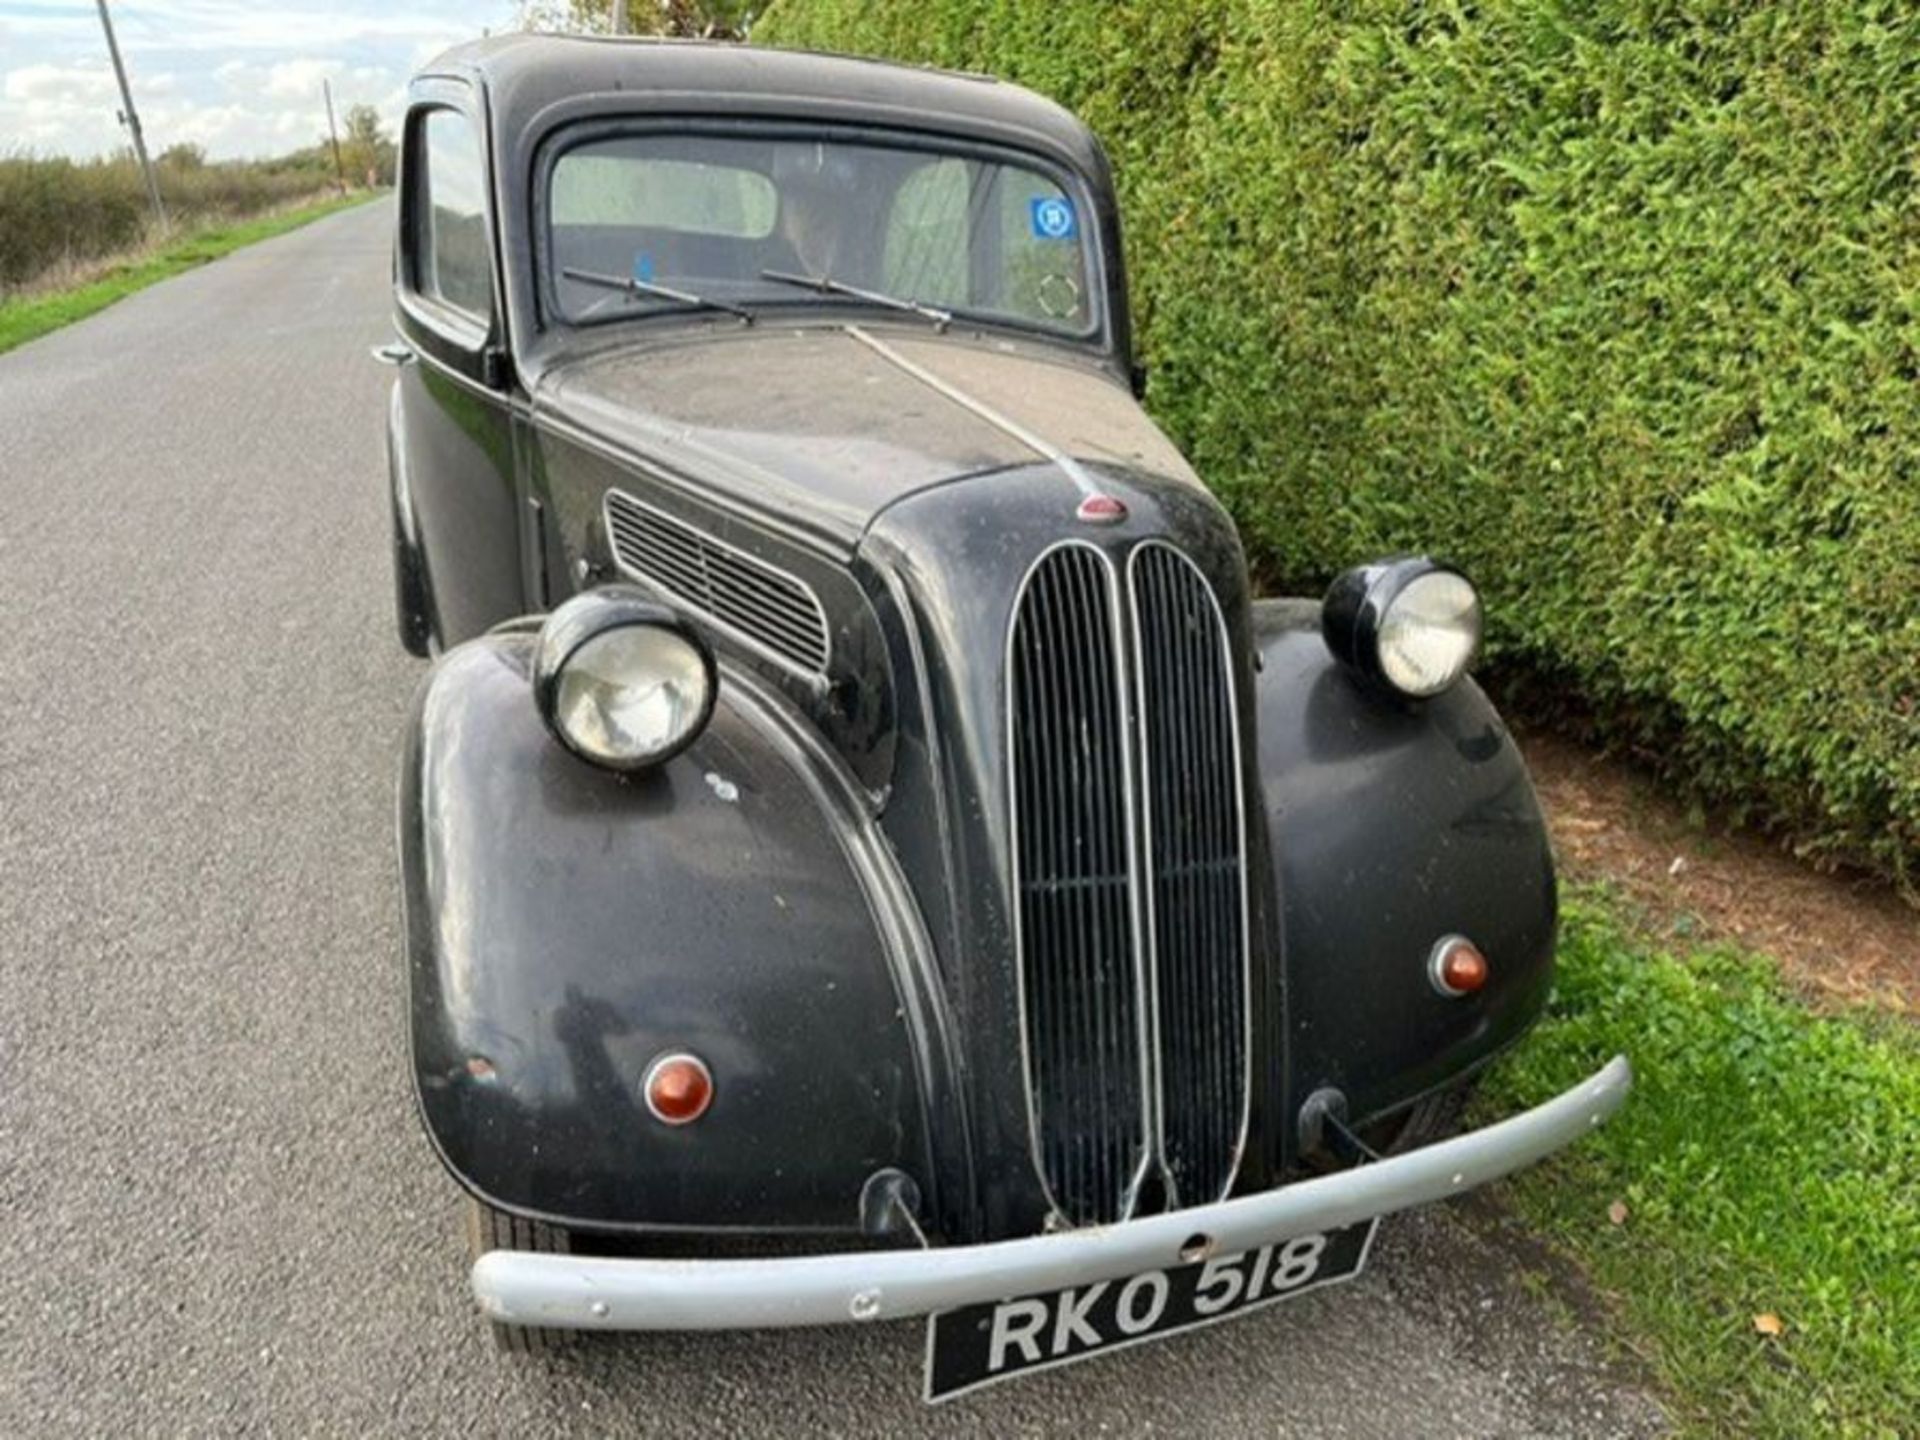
column 534, row 80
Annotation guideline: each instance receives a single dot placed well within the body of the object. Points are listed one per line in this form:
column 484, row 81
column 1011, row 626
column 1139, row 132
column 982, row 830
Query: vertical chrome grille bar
column 1196, row 871
column 1074, row 932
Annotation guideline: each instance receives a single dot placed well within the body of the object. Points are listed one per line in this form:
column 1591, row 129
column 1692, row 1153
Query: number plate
column 982, row 1344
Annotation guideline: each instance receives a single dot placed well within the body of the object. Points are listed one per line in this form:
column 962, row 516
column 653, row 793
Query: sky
column 239, row 79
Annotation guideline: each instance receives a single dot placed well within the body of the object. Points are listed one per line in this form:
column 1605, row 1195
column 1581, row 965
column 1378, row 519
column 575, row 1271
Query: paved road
column 216, row 1211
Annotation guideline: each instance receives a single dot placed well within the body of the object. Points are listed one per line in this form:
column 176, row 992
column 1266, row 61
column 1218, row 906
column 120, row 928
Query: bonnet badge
column 1101, row 510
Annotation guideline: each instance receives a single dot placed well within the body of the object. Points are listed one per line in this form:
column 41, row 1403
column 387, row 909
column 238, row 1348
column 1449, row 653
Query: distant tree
column 184, row 155
column 696, row 19
column 366, row 152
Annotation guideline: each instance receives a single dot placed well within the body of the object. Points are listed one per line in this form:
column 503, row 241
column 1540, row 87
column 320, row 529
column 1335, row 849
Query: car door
column 454, row 435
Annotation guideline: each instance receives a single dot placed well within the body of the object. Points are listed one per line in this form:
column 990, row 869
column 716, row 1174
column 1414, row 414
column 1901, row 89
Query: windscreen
column 741, row 221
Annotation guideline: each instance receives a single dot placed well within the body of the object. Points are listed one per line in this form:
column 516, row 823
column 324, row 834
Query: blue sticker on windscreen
column 1053, row 217
column 643, row 268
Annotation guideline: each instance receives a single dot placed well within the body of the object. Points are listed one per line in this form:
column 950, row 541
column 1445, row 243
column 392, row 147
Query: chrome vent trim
column 758, row 604
column 1076, row 924
column 1194, row 799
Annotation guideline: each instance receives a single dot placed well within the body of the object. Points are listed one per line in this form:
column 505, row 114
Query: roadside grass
column 29, row 317
column 1769, row 1163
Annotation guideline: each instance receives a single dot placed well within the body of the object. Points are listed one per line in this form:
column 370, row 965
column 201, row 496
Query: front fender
column 564, row 926
column 1395, row 824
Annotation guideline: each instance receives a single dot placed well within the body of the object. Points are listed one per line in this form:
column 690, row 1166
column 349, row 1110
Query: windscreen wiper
column 827, row 285
column 664, row 292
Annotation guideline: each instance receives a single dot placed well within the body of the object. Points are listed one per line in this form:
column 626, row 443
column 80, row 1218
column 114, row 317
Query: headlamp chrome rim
column 1354, row 616
column 588, row 617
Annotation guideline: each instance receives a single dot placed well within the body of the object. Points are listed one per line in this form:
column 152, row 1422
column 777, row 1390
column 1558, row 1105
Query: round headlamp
column 1410, row 625
column 621, row 680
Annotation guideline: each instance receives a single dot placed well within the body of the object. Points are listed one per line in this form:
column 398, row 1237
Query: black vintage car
column 860, row 832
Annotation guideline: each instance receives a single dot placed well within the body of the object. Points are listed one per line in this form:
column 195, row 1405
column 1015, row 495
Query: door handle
column 394, row 352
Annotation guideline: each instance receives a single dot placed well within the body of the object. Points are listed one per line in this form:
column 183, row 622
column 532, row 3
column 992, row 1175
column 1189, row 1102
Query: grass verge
column 30, row 317
column 1769, row 1165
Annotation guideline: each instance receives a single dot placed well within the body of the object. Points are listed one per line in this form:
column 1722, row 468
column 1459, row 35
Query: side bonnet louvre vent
column 757, row 603
column 1072, row 882
column 1195, row 870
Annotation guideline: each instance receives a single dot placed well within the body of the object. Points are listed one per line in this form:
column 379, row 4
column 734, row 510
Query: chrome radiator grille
column 756, row 602
column 1195, row 863
column 1126, row 801
column 1073, row 884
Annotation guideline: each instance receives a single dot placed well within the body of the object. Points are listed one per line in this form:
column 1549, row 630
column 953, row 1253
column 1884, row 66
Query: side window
column 451, row 263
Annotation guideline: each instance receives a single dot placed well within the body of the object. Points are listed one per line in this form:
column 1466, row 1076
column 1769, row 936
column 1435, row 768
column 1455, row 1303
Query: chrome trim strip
column 816, row 678
column 1130, row 812
column 1143, row 976
column 1006, row 424
column 1146, row 880
column 1132, row 802
column 582, row 1292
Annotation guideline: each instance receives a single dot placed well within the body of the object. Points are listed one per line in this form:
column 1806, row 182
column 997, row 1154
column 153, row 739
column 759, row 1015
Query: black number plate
column 981, row 1344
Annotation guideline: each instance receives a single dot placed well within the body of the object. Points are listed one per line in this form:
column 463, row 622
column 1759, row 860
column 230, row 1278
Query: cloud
column 74, row 110
column 300, row 79
column 239, row 78
column 291, row 79
column 60, row 85
column 233, row 25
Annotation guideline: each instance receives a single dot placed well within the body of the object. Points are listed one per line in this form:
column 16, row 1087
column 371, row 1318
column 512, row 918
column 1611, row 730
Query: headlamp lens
column 631, row 695
column 1429, row 632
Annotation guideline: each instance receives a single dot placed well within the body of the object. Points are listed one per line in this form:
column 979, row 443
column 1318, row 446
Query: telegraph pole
column 619, row 17
column 132, row 117
column 339, row 172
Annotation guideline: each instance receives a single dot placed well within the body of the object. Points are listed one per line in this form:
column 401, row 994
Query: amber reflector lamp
column 1458, row 968
column 679, row 1088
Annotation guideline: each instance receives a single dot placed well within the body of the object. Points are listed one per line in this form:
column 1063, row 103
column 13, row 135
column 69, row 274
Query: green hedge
column 1613, row 301
column 56, row 212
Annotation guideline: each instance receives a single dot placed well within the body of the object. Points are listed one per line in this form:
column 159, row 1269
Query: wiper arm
column 664, row 292
column 827, row 285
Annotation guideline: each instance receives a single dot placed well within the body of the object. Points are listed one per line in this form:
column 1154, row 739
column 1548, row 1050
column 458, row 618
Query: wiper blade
column 827, row 285
column 663, row 292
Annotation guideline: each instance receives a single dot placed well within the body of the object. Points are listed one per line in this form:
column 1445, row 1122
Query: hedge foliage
column 1613, row 301
column 59, row 216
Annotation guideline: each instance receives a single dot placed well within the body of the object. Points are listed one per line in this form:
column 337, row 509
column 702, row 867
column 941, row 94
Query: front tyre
column 491, row 1229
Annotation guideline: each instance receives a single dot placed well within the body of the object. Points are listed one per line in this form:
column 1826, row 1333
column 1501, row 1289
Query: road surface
column 217, row 1213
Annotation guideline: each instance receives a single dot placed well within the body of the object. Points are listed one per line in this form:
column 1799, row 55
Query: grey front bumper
column 583, row 1292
